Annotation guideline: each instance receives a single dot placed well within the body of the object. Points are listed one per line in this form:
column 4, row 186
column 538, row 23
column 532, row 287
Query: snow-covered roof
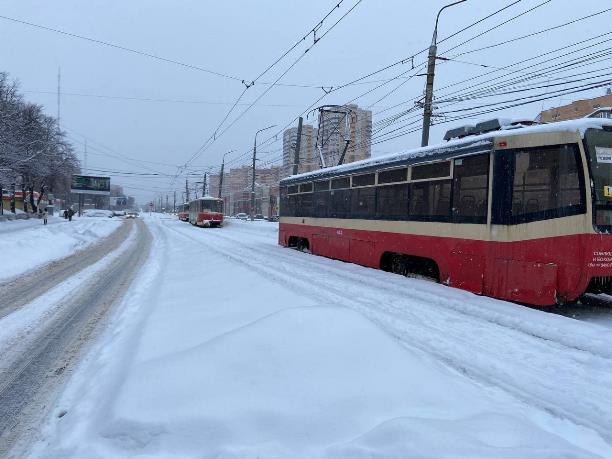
column 465, row 146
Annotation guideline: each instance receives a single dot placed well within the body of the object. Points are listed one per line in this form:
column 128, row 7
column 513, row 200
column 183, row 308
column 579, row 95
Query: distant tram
column 183, row 212
column 512, row 212
column 206, row 212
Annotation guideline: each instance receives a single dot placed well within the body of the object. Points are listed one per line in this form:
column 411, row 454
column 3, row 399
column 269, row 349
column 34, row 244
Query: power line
column 122, row 48
column 533, row 34
column 293, row 64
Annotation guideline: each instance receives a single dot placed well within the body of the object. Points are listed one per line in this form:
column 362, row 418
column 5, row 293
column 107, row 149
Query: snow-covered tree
column 33, row 150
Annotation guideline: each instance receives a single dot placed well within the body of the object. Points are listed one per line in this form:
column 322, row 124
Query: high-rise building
column 308, row 160
column 348, row 122
column 577, row 109
column 236, row 192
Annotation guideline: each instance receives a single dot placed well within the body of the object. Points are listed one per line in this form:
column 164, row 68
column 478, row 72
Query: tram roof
column 469, row 145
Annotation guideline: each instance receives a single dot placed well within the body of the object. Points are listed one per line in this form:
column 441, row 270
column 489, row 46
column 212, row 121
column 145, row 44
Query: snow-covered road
column 232, row 346
column 47, row 321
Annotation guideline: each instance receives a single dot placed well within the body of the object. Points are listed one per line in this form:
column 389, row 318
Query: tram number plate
column 604, row 155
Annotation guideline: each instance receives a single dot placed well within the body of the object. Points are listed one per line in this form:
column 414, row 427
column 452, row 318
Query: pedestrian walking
column 70, row 214
column 45, row 214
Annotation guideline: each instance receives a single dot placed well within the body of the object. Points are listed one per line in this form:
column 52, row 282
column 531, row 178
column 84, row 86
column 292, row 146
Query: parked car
column 98, row 213
column 258, row 217
column 242, row 216
column 273, row 218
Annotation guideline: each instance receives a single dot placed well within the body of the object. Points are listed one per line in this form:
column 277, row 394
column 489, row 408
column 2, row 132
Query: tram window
column 430, row 201
column 547, row 183
column 392, row 202
column 340, row 183
column 431, row 171
column 292, row 205
column 304, row 205
column 292, row 189
column 364, row 180
column 306, row 187
column 393, row 175
column 340, row 203
column 321, row 186
column 321, row 200
column 470, row 189
column 363, row 202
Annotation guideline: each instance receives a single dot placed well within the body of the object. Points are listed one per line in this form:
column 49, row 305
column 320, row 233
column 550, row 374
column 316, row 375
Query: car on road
column 98, row 213
column 131, row 215
column 242, row 216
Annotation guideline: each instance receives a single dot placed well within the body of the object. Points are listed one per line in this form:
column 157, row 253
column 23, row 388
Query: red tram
column 183, row 212
column 512, row 212
column 206, row 212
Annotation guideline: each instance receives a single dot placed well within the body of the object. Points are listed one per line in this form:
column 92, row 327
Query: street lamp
column 253, row 182
column 223, row 167
column 431, row 67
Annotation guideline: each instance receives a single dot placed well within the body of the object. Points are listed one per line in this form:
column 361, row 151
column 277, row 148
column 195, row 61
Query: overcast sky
column 103, row 88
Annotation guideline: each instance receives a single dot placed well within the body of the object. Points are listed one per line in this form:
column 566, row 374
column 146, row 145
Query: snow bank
column 29, row 244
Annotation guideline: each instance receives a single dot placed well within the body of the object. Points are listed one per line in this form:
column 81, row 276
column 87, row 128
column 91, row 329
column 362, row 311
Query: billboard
column 89, row 184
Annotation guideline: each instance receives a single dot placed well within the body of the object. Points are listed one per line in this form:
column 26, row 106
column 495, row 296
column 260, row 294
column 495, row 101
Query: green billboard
column 89, row 184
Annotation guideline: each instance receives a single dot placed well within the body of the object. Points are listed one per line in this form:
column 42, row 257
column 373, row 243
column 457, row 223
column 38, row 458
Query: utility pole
column 204, row 185
column 58, row 96
column 187, row 189
column 222, row 169
column 174, row 203
column 253, row 181
column 166, row 203
column 1, row 200
column 431, row 69
column 298, row 144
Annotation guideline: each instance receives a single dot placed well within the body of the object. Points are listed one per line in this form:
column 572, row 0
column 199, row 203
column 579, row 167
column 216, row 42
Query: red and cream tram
column 512, row 212
column 183, row 212
column 206, row 212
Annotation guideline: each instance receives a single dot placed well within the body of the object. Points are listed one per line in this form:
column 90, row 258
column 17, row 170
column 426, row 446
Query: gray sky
column 241, row 39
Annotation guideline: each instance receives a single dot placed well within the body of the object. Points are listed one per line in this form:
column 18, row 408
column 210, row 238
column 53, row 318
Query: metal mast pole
column 253, row 180
column 298, row 144
column 59, row 74
column 431, row 69
column 222, row 172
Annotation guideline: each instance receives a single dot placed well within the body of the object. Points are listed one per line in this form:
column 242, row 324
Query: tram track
column 473, row 341
column 497, row 317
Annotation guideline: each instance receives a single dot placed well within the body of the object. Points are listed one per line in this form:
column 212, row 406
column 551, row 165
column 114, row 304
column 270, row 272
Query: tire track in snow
column 51, row 350
column 542, row 372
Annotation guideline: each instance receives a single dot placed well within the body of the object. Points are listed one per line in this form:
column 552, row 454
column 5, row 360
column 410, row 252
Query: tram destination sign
column 89, row 184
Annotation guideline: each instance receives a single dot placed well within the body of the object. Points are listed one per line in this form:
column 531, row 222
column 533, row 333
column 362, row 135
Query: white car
column 242, row 216
column 98, row 213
